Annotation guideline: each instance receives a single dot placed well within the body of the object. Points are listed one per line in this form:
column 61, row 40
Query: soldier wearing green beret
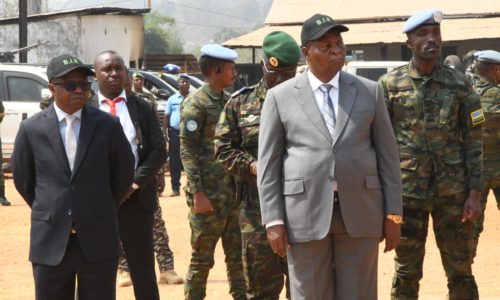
column 437, row 118
column 138, row 88
column 488, row 88
column 236, row 144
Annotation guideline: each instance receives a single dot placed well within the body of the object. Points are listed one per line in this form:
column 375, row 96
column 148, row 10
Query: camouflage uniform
column 436, row 121
column 236, row 143
column 490, row 101
column 2, row 177
column 46, row 102
column 200, row 113
column 164, row 256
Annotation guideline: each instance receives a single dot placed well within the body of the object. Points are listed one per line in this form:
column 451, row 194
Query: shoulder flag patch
column 477, row 117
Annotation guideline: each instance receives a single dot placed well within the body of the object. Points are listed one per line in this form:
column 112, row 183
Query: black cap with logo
column 63, row 64
column 316, row 26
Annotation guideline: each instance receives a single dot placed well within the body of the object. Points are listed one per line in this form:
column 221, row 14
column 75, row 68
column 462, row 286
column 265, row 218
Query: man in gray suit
column 328, row 172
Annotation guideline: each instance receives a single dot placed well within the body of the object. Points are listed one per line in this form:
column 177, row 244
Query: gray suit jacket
column 299, row 160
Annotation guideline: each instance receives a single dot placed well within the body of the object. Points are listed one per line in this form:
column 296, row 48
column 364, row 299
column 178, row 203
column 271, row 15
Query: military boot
column 4, row 201
column 170, row 277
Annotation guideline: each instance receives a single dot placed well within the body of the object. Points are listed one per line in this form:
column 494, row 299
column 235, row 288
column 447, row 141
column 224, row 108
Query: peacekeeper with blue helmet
column 437, row 118
column 210, row 191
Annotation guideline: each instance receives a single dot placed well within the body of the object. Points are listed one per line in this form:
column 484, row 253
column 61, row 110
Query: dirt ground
column 16, row 281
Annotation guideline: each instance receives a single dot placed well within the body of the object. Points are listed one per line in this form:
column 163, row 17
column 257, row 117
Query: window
column 24, row 89
column 371, row 73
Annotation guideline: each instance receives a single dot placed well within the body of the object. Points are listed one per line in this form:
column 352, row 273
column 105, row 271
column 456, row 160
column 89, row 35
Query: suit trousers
column 96, row 280
column 136, row 232
column 174, row 158
column 337, row 267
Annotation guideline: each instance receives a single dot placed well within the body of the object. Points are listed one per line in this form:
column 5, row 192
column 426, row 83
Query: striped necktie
column 327, row 109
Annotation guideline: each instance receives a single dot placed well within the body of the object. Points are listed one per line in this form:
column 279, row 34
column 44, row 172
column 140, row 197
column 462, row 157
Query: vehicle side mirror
column 163, row 94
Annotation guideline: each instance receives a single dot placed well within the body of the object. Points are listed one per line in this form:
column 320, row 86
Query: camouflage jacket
column 149, row 98
column 490, row 101
column 237, row 134
column 200, row 113
column 437, row 123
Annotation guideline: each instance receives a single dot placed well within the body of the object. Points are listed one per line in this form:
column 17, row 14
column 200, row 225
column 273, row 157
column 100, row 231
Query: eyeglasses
column 71, row 86
column 281, row 72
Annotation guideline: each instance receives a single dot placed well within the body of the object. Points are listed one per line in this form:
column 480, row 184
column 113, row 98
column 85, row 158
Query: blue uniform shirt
column 173, row 108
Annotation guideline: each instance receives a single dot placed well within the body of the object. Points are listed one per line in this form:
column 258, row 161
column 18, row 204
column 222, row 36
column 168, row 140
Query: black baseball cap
column 316, row 26
column 63, row 64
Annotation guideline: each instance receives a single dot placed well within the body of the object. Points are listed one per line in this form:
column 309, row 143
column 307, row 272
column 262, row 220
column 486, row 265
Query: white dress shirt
column 319, row 94
column 61, row 117
column 125, row 120
column 319, row 97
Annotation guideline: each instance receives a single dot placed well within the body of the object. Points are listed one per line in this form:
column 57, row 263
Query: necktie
column 70, row 141
column 327, row 110
column 112, row 104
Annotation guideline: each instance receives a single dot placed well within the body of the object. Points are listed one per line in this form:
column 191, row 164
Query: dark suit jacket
column 86, row 198
column 151, row 147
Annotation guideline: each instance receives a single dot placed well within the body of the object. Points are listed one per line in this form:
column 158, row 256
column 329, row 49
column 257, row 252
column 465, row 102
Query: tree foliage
column 160, row 35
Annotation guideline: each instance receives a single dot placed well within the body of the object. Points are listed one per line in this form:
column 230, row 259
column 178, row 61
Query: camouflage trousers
column 264, row 270
column 491, row 181
column 206, row 230
column 164, row 256
column 453, row 238
column 2, row 176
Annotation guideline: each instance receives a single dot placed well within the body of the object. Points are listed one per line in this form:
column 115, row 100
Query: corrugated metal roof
column 296, row 11
column 386, row 32
column 99, row 10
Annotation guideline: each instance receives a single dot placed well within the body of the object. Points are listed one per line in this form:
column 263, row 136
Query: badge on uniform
column 251, row 118
column 477, row 116
column 191, row 125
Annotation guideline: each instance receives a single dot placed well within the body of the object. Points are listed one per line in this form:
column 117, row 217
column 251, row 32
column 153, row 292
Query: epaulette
column 481, row 87
column 243, row 91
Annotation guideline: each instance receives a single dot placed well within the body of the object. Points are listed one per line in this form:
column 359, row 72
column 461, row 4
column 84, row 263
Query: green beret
column 137, row 74
column 280, row 49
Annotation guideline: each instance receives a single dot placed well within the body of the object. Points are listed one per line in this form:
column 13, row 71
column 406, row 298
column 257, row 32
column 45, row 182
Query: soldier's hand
column 161, row 183
column 472, row 207
column 278, row 238
column 253, row 168
column 202, row 204
column 392, row 234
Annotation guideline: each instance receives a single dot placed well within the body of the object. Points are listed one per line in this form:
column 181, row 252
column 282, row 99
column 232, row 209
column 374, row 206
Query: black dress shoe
column 4, row 201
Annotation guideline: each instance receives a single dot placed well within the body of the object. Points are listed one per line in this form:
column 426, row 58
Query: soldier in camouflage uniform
column 210, row 191
column 236, row 144
column 488, row 68
column 137, row 87
column 164, row 256
column 437, row 119
column 3, row 199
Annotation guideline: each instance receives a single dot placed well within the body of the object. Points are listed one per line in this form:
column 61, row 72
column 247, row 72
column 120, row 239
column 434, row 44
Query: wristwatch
column 395, row 218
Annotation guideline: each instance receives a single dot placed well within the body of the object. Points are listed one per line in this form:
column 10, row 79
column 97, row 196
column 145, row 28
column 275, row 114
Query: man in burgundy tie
column 145, row 137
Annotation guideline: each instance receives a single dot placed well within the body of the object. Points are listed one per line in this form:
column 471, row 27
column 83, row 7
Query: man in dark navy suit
column 73, row 165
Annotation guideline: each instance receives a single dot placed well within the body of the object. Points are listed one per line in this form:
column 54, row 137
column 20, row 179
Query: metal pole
column 23, row 30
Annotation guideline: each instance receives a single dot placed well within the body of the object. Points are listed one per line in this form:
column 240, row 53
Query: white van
column 372, row 69
column 20, row 92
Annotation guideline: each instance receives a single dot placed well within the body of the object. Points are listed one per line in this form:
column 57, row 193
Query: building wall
column 123, row 34
column 62, row 34
column 83, row 37
column 10, row 8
